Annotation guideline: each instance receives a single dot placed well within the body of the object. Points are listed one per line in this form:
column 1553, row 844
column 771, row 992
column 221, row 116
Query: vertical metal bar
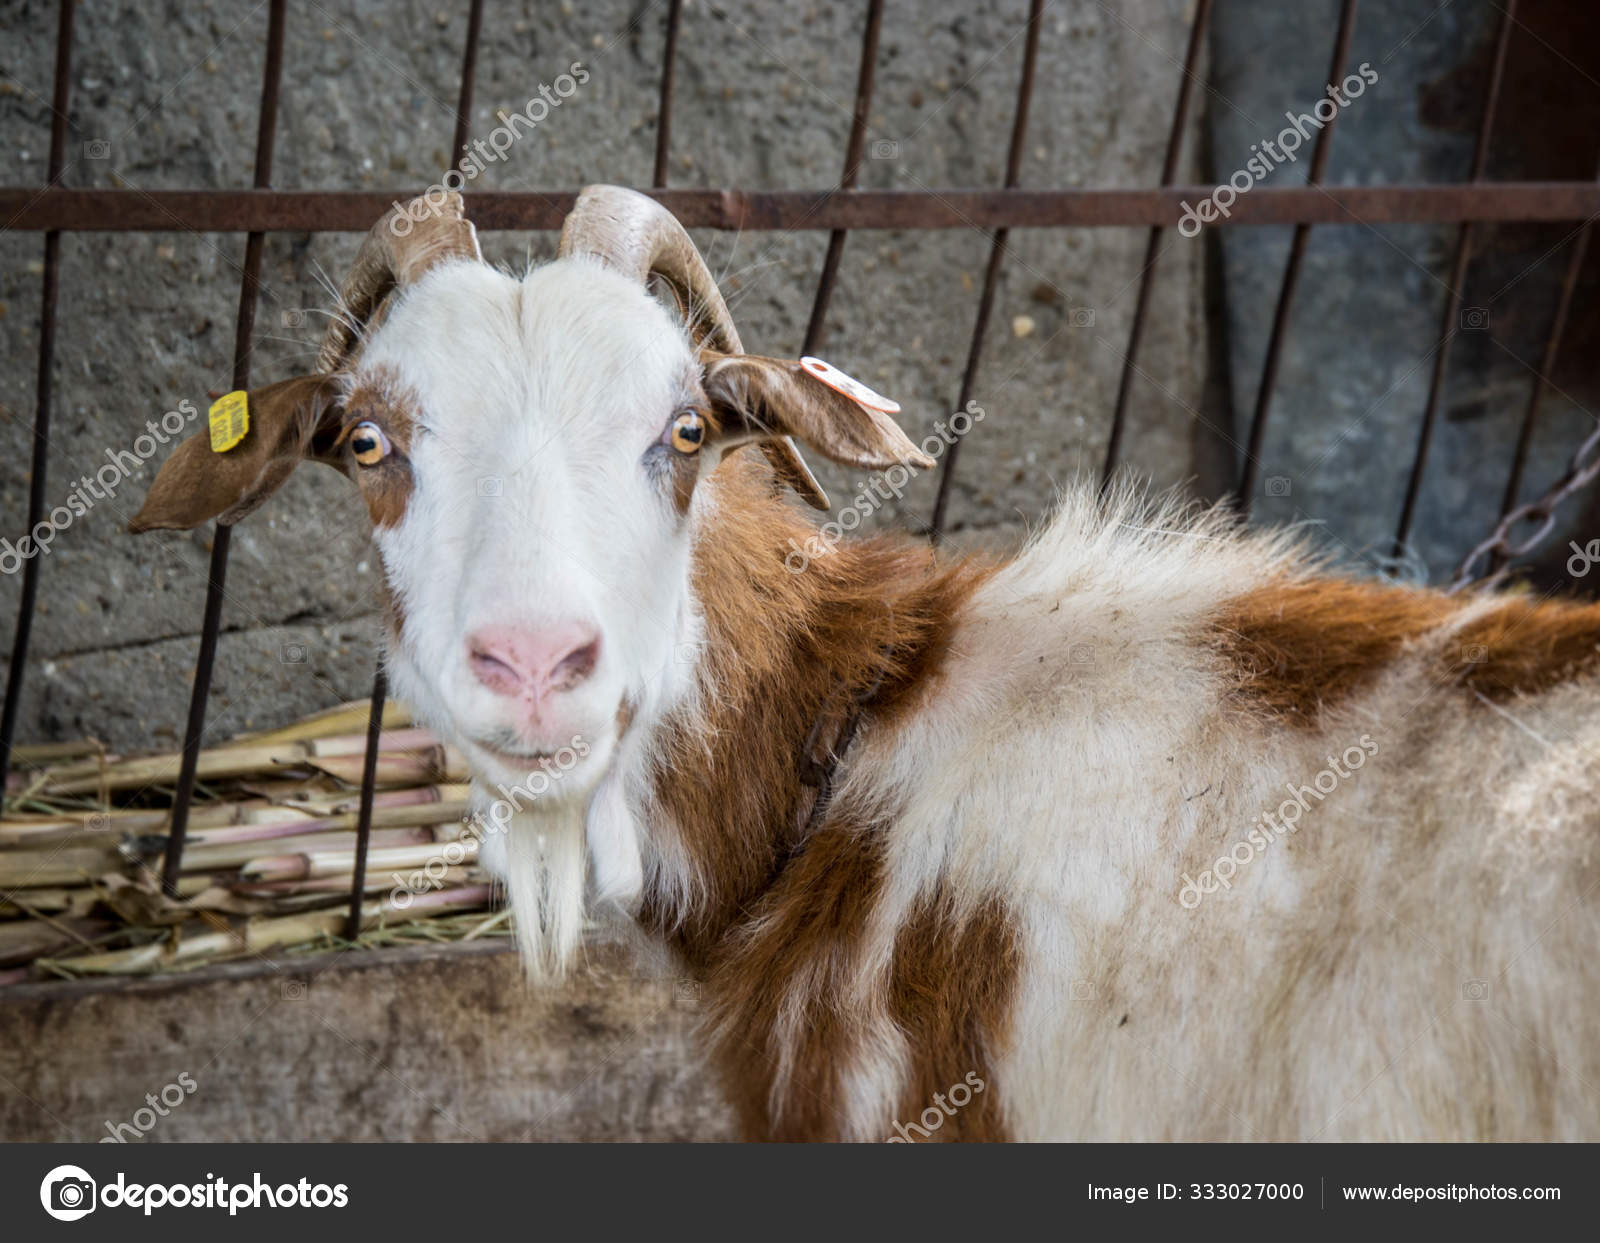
column 997, row 249
column 669, row 65
column 469, row 76
column 1547, row 365
column 369, row 781
column 211, row 622
column 1458, row 274
column 49, row 286
column 1152, row 249
column 1251, row 465
column 852, row 171
column 369, row 768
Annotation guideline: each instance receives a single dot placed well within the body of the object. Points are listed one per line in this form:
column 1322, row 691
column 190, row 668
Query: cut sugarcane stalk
column 337, row 802
column 356, row 744
column 50, row 752
column 94, row 825
column 69, row 865
column 398, row 767
column 237, row 854
column 382, row 818
column 348, row 718
column 261, row 935
column 451, row 876
column 217, row 763
column 307, row 864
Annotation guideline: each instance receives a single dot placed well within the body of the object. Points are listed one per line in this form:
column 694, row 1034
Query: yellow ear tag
column 229, row 420
column 854, row 389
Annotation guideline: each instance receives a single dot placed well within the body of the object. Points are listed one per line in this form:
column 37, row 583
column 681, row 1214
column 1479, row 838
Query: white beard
column 539, row 858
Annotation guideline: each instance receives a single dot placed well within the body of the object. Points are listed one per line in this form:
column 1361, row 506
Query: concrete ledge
column 434, row 1043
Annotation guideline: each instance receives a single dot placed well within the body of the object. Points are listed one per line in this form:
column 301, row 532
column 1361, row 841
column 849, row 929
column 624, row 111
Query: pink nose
column 510, row 660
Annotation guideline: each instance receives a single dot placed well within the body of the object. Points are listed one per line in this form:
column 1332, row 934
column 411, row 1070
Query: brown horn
column 406, row 242
column 635, row 235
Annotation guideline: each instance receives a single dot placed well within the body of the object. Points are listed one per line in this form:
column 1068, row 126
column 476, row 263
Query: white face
column 540, row 563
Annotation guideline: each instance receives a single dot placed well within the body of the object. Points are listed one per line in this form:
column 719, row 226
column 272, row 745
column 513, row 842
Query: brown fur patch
column 783, row 648
column 778, row 917
column 684, row 468
column 393, row 607
column 1525, row 647
column 801, row 939
column 386, row 487
column 951, row 988
column 951, row 992
column 1302, row 645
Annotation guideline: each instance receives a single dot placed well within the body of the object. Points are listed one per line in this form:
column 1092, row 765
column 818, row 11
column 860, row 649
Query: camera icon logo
column 1475, row 990
column 67, row 1193
column 1474, row 318
column 97, row 149
column 1278, row 485
column 292, row 653
column 885, row 149
column 686, row 991
column 1474, row 653
column 1081, row 317
column 491, row 485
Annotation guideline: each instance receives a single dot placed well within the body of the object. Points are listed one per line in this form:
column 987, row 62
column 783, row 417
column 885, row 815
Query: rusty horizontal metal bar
column 336, row 211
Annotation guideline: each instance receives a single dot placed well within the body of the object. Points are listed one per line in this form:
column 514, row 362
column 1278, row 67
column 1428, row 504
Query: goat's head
column 529, row 450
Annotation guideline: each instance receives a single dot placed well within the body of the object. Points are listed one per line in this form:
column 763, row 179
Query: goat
column 1158, row 830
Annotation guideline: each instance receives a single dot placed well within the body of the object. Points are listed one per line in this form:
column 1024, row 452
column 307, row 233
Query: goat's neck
column 791, row 639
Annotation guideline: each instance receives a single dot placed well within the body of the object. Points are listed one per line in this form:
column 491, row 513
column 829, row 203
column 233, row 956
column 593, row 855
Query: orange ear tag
column 855, row 390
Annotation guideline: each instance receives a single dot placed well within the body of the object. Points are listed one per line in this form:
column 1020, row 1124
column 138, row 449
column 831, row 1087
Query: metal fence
column 52, row 210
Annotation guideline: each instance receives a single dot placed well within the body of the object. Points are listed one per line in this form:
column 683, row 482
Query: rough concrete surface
column 441, row 1044
column 1366, row 324
column 164, row 95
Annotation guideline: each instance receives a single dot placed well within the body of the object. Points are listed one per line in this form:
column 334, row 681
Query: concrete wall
column 1367, row 318
column 439, row 1044
column 168, row 93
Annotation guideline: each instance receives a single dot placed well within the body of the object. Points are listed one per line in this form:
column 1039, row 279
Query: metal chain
column 1583, row 470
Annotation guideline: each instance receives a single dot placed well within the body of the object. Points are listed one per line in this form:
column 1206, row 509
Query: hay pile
column 270, row 856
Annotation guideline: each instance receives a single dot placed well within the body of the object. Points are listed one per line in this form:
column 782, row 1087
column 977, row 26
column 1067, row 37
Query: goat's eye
column 369, row 445
column 688, row 432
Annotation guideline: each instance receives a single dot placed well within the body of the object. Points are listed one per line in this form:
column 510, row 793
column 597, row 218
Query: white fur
column 1331, row 993
column 539, row 399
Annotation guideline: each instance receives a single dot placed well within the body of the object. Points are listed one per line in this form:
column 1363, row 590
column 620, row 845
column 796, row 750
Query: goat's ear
column 288, row 421
column 765, row 398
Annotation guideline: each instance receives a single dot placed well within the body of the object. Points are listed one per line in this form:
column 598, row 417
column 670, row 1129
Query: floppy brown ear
column 289, row 421
column 764, row 398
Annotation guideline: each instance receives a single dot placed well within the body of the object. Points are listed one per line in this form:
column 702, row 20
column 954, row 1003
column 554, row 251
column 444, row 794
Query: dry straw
column 270, row 858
